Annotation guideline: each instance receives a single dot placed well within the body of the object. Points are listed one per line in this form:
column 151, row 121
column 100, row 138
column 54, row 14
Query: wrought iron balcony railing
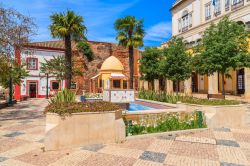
column 237, row 5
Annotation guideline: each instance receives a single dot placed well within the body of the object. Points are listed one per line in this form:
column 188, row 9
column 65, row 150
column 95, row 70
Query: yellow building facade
column 190, row 18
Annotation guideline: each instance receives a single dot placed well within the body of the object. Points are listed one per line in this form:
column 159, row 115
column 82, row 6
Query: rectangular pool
column 138, row 107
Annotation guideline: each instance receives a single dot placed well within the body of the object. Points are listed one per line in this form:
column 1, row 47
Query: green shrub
column 64, row 96
column 165, row 122
column 67, row 108
column 174, row 98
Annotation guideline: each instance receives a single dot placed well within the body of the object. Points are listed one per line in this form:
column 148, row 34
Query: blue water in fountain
column 138, row 107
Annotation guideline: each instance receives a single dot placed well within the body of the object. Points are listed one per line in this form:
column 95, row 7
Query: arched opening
column 240, row 22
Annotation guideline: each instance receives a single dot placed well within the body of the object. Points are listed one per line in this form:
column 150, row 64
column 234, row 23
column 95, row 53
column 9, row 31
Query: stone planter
column 230, row 116
column 83, row 129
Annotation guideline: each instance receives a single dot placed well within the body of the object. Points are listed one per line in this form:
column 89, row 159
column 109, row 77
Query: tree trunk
column 177, row 87
column 68, row 61
column 223, row 83
column 131, row 67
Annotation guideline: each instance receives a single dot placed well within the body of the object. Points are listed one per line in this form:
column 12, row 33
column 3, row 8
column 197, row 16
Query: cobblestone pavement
column 22, row 134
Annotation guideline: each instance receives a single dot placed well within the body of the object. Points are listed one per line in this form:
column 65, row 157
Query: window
column 227, row 5
column 216, row 7
column 55, row 85
column 208, row 11
column 73, row 85
column 32, row 64
column 27, row 52
column 185, row 21
column 116, row 83
column 237, row 3
column 100, row 83
column 125, row 84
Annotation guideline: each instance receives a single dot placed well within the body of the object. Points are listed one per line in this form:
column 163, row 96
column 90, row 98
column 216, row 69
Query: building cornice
column 203, row 26
column 176, row 3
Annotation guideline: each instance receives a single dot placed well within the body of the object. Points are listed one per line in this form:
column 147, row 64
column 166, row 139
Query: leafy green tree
column 67, row 26
column 176, row 65
column 130, row 34
column 10, row 69
column 150, row 63
column 224, row 47
column 56, row 67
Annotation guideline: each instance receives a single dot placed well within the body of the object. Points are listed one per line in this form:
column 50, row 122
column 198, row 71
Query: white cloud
column 159, row 32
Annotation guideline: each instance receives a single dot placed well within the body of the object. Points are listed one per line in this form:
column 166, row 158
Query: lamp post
column 47, row 85
column 10, row 102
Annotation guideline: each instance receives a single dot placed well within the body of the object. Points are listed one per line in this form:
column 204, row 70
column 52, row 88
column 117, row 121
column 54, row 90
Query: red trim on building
column 27, row 87
column 17, row 91
column 27, row 61
column 41, row 96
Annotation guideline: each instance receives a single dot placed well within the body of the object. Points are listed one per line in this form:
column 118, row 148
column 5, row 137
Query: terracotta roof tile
column 57, row 44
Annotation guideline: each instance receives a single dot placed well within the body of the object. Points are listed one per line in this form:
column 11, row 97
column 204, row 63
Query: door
column 240, row 81
column 194, row 82
column 32, row 89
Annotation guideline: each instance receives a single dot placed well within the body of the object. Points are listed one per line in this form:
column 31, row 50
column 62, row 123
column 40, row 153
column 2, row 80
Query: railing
column 237, row 5
column 184, row 29
column 208, row 18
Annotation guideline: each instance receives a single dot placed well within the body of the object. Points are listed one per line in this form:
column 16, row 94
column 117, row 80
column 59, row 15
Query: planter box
column 230, row 116
column 84, row 129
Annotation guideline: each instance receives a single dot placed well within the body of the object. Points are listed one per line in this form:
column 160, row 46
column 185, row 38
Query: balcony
column 237, row 5
column 184, row 29
column 208, row 18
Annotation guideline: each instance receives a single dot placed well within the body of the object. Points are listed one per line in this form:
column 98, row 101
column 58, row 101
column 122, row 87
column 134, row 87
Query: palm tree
column 130, row 34
column 67, row 26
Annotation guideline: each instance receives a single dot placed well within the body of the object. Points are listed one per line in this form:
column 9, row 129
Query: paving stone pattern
column 22, row 129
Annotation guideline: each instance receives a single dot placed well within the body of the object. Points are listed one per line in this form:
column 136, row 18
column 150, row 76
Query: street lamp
column 10, row 102
column 47, row 85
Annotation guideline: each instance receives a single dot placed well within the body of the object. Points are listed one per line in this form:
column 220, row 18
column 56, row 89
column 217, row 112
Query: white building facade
column 35, row 85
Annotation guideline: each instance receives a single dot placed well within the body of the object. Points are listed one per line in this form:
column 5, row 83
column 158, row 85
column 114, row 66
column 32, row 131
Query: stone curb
column 165, row 133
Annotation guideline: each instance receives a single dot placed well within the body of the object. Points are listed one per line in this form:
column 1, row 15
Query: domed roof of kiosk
column 112, row 63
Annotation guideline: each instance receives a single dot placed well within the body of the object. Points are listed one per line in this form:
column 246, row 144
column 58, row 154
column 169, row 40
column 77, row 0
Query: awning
column 95, row 76
column 118, row 75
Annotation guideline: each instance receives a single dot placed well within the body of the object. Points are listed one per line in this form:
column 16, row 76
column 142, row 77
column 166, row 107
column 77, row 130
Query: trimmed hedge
column 174, row 98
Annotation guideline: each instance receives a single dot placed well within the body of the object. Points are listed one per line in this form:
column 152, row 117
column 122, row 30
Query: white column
column 145, row 85
column 247, row 82
column 188, row 86
column 156, row 85
column 213, row 84
column 170, row 88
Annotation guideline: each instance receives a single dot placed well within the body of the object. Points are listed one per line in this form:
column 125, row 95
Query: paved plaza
column 22, row 134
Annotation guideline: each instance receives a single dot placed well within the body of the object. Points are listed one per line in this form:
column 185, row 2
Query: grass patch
column 174, row 98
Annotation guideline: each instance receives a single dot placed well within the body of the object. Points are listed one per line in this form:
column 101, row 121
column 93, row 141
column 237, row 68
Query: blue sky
column 100, row 15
